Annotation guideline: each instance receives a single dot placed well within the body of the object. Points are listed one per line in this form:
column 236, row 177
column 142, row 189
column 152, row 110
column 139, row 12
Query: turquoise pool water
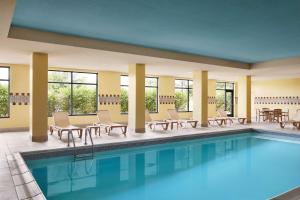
column 244, row 166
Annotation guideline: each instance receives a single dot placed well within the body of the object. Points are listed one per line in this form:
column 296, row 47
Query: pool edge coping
column 26, row 189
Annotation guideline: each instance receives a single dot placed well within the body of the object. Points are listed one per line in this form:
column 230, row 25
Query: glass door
column 224, row 97
column 229, row 102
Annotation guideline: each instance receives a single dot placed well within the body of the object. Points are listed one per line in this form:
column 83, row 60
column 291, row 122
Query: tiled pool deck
column 16, row 181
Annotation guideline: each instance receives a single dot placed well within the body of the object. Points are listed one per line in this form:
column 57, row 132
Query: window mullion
column 71, row 93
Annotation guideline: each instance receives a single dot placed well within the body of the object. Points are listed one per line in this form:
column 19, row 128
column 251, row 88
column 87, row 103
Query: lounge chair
column 174, row 118
column 104, row 120
column 223, row 115
column 219, row 121
column 295, row 121
column 152, row 124
column 62, row 124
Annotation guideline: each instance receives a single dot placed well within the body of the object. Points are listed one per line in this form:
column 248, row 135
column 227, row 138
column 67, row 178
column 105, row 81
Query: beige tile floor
column 16, row 182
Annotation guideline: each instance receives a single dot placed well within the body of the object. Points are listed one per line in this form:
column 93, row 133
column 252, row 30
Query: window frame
column 8, row 96
column 157, row 81
column 123, row 113
column 188, row 89
column 72, row 83
column 225, row 89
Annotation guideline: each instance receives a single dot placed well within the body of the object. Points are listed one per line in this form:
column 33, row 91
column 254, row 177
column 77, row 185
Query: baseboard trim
column 43, row 138
column 19, row 129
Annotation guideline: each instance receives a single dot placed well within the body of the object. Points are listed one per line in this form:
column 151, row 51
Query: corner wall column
column 244, row 98
column 39, row 97
column 136, row 98
column 200, row 97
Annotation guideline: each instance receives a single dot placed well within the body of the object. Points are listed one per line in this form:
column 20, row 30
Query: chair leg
column 51, row 129
column 59, row 134
column 194, row 124
column 298, row 125
column 282, row 124
column 150, row 126
column 165, row 126
column 124, row 130
column 80, row 133
column 109, row 129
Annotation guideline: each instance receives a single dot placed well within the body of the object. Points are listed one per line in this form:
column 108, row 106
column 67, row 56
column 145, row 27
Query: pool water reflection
column 241, row 166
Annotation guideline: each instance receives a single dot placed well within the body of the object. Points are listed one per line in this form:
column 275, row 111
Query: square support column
column 244, row 98
column 200, row 97
column 39, row 97
column 136, row 98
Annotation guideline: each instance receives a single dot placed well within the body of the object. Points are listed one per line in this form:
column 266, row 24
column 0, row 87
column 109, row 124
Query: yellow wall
column 19, row 83
column 166, row 85
column 109, row 83
column 212, row 93
column 276, row 88
column 244, row 97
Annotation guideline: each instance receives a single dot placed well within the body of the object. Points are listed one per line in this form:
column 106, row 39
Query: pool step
column 84, row 156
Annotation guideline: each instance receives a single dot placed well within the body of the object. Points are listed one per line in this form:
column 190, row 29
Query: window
column 151, row 94
column 224, row 97
column 4, row 92
column 124, row 94
column 184, row 95
column 72, row 92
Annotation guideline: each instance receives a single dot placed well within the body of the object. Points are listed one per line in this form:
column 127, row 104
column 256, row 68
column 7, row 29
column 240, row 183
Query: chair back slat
column 265, row 109
column 61, row 119
column 277, row 111
column 104, row 116
column 222, row 113
column 173, row 114
column 147, row 116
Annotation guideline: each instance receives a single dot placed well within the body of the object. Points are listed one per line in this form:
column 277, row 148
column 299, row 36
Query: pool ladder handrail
column 82, row 156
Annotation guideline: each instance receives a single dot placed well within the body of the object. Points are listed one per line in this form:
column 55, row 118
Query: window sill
column 5, row 117
column 149, row 112
column 82, row 115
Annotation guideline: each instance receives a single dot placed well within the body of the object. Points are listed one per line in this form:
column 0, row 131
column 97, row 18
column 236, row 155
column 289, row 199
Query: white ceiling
column 14, row 51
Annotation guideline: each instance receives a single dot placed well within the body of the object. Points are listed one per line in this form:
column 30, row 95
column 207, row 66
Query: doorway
column 225, row 97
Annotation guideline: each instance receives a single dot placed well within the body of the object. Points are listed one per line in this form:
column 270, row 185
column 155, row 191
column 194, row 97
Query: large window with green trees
column 72, row 92
column 4, row 92
column 224, row 97
column 151, row 94
column 184, row 95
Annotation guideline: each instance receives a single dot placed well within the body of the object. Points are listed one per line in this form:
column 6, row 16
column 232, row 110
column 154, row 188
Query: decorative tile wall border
column 19, row 98
column 109, row 99
column 288, row 100
column 165, row 99
column 211, row 100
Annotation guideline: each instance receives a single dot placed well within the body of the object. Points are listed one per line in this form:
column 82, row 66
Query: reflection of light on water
column 75, row 168
column 278, row 139
column 206, row 163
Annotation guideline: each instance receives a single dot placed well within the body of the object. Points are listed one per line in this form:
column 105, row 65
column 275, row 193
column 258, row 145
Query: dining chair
column 265, row 112
column 277, row 115
column 286, row 114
